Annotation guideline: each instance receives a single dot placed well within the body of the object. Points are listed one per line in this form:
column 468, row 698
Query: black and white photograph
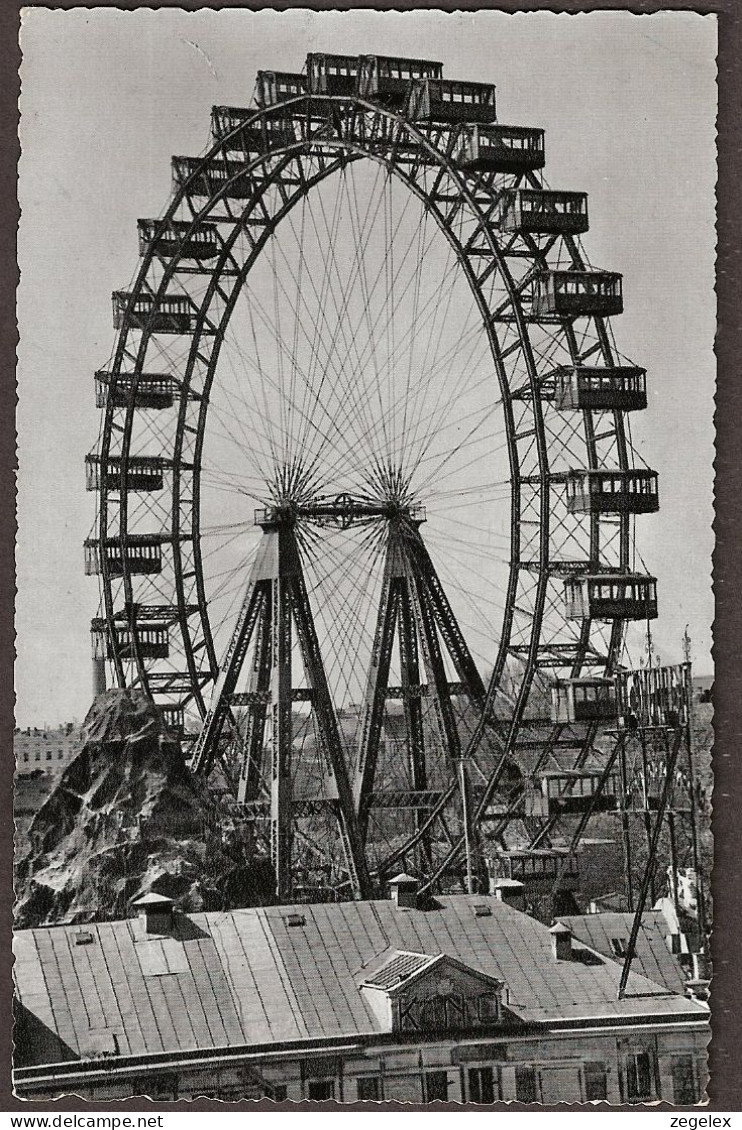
column 364, row 616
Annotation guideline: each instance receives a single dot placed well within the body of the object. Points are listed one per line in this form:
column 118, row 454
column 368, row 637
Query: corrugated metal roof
column 242, row 977
column 398, row 969
column 652, row 959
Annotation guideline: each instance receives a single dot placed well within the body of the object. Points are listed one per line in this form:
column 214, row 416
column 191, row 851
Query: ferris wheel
column 365, row 488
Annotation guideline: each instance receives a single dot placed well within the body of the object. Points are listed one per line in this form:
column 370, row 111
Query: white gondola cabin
column 151, row 640
column 332, row 74
column 573, row 294
column 612, row 492
column 569, row 791
column 167, row 314
column 539, row 870
column 539, row 211
column 611, row 596
column 143, row 473
column 227, row 178
column 388, row 80
column 501, row 149
column 143, row 554
column 445, row 100
column 179, row 238
column 582, row 387
column 584, row 700
column 272, row 87
column 376, row 78
column 153, row 390
column 233, row 126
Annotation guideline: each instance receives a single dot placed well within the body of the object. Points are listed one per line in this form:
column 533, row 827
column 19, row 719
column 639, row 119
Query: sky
column 628, row 104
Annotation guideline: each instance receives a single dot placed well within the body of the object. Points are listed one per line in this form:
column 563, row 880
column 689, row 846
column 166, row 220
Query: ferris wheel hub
column 344, row 510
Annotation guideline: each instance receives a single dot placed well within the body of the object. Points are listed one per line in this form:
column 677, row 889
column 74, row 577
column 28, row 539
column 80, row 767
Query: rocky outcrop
column 128, row 816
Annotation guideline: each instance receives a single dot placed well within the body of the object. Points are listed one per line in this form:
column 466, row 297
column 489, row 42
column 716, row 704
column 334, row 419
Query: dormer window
column 414, row 992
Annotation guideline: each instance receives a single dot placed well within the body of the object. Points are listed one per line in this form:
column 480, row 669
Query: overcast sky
column 628, row 104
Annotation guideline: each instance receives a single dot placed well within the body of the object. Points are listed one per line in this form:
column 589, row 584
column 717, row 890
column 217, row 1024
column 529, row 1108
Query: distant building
column 468, row 999
column 50, row 750
column 41, row 756
column 683, row 885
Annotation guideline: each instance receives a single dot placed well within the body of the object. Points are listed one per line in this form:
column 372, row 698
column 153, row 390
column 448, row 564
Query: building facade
column 50, row 750
column 467, row 999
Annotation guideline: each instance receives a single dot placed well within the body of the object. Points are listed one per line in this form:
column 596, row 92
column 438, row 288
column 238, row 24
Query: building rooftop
column 251, row 977
column 609, row 932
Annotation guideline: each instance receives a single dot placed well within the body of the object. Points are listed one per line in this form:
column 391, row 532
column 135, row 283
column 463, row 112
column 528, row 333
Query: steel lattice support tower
column 276, row 604
column 414, row 611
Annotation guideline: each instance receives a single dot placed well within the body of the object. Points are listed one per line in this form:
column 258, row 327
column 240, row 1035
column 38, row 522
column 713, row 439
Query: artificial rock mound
column 126, row 817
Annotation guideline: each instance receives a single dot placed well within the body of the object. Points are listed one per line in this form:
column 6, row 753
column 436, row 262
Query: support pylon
column 276, row 604
column 414, row 610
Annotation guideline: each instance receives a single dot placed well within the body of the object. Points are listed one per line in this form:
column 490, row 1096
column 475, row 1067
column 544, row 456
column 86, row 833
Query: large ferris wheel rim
column 352, row 105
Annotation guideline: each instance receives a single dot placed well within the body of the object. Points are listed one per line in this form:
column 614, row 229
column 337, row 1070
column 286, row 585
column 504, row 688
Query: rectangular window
column 684, row 1087
column 433, row 1013
column 481, row 1085
column 321, row 1089
column 369, row 1088
column 488, row 1010
column 455, row 1011
column 596, row 1082
column 639, row 1077
column 525, row 1085
column 436, row 1087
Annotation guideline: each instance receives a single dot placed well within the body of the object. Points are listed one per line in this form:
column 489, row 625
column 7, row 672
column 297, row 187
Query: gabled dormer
column 413, row 992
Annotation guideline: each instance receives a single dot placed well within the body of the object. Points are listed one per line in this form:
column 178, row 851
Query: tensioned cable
column 340, row 629
column 334, row 273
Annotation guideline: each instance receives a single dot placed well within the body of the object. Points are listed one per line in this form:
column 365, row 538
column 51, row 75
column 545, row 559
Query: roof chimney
column 403, row 889
column 701, row 967
column 157, row 912
column 512, row 892
column 561, row 942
